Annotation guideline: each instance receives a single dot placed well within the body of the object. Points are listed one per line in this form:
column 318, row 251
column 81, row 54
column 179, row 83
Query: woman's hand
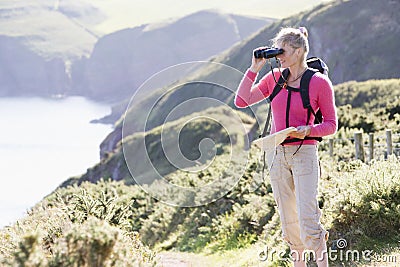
column 302, row 132
column 257, row 63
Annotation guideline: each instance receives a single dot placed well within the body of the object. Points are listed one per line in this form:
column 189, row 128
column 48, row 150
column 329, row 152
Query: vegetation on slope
column 100, row 222
column 78, row 226
column 372, row 106
column 189, row 131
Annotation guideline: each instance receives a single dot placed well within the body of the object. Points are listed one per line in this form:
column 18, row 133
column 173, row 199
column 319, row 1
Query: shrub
column 96, row 243
column 365, row 201
column 87, row 226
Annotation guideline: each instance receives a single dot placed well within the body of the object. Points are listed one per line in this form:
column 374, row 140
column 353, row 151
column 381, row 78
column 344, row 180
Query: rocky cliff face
column 23, row 72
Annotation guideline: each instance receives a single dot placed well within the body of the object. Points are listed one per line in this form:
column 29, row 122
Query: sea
column 43, row 142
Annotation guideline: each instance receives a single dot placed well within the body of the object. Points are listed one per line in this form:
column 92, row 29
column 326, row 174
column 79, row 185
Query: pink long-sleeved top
column 321, row 97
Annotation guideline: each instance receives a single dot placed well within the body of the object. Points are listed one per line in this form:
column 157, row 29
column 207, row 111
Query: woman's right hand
column 257, row 63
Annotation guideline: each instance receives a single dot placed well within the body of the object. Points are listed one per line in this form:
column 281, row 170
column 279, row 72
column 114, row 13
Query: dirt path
column 168, row 259
column 180, row 259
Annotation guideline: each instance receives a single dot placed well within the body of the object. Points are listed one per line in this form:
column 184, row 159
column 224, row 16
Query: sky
column 137, row 12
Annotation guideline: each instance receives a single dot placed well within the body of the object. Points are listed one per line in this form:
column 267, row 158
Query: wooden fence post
column 371, row 146
column 358, row 142
column 331, row 147
column 389, row 142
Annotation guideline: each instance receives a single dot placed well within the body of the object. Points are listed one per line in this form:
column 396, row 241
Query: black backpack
column 314, row 65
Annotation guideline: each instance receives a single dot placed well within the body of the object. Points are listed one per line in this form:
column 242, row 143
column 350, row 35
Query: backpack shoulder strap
column 277, row 89
column 305, row 97
column 278, row 86
column 304, row 87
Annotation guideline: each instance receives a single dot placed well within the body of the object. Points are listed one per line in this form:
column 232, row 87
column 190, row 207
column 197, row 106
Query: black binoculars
column 268, row 52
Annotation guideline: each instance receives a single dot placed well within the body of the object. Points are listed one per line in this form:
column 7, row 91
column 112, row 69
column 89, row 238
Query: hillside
column 38, row 41
column 123, row 60
column 357, row 39
column 51, row 29
column 50, row 48
column 371, row 106
column 221, row 125
column 325, row 23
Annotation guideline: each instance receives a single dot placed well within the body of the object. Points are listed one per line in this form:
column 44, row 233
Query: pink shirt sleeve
column 248, row 93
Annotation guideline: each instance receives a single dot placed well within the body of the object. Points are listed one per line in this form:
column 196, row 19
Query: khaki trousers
column 294, row 180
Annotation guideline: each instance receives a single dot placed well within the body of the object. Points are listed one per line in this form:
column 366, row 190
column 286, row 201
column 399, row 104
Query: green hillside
column 224, row 129
column 372, row 106
column 51, row 29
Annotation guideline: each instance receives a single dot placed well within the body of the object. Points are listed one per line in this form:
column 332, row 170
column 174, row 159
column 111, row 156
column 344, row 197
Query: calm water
column 42, row 143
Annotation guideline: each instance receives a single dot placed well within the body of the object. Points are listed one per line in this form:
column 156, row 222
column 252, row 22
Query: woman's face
column 290, row 56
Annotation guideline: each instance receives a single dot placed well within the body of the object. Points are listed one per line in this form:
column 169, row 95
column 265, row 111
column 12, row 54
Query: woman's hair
column 296, row 38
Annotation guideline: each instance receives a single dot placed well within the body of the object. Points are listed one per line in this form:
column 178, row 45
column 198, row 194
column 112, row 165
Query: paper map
column 269, row 142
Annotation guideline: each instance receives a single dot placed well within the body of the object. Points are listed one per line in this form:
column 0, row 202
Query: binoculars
column 268, row 52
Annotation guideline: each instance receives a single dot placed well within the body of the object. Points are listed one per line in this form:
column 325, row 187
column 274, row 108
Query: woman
column 295, row 170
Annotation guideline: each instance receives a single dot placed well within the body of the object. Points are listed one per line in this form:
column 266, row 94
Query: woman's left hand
column 302, row 132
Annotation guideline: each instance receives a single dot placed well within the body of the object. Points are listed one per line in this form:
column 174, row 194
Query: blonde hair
column 296, row 38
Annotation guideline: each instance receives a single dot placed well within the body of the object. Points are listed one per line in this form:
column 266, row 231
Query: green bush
column 28, row 253
column 365, row 201
column 87, row 226
column 118, row 204
column 91, row 243
column 96, row 243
